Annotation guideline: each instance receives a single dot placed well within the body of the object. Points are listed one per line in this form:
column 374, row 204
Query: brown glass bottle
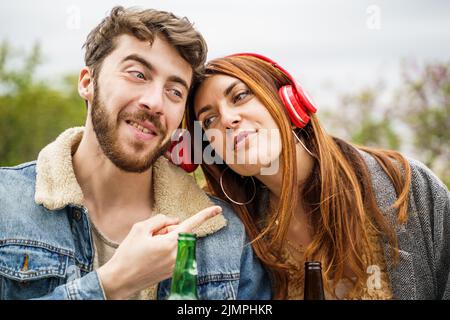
column 313, row 281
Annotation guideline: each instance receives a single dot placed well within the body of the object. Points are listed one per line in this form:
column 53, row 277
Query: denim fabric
column 48, row 254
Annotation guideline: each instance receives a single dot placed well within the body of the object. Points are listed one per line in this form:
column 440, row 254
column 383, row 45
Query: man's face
column 139, row 101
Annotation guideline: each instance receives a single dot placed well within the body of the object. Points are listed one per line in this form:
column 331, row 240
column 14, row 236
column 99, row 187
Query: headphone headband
column 305, row 100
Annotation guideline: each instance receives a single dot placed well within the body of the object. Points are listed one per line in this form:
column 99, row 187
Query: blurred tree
column 424, row 102
column 413, row 118
column 32, row 112
column 363, row 120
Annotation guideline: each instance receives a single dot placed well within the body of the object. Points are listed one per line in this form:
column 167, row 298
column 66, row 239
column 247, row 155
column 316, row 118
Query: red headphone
column 294, row 98
column 180, row 154
column 296, row 101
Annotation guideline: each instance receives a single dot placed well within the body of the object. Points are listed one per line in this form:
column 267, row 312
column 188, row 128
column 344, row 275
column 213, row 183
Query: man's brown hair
column 145, row 25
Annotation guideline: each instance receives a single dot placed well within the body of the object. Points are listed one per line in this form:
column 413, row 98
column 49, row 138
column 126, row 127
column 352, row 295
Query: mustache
column 142, row 115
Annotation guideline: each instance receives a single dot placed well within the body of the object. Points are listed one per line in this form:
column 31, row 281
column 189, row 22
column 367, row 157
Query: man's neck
column 115, row 199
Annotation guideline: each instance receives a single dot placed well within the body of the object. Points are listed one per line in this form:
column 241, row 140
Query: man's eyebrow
column 230, row 87
column 180, row 81
column 148, row 65
column 204, row 109
column 138, row 58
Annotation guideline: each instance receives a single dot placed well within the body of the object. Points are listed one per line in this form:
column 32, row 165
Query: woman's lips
column 241, row 137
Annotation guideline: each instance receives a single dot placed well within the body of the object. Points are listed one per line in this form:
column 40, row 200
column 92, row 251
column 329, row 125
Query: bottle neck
column 184, row 280
column 313, row 283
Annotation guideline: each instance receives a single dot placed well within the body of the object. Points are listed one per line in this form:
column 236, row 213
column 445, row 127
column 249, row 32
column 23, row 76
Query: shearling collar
column 176, row 193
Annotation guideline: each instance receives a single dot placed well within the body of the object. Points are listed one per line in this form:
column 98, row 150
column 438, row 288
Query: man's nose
column 152, row 99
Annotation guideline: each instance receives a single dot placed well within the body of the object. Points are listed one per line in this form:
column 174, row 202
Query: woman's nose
column 230, row 119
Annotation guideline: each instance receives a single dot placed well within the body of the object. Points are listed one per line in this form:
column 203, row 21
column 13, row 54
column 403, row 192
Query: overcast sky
column 329, row 46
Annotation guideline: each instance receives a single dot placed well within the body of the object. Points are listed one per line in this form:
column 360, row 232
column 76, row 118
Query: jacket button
column 77, row 215
column 25, row 263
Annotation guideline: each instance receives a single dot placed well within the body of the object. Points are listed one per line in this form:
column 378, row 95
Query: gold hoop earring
column 303, row 145
column 228, row 197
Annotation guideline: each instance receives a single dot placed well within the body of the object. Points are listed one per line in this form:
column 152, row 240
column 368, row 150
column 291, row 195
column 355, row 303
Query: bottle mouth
column 187, row 236
column 313, row 265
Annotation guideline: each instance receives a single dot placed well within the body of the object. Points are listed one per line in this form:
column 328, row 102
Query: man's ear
column 86, row 84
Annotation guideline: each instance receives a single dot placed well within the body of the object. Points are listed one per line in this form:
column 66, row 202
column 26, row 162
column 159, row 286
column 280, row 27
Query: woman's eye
column 207, row 122
column 240, row 96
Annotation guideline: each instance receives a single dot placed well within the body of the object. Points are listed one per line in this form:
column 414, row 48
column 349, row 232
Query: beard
column 106, row 130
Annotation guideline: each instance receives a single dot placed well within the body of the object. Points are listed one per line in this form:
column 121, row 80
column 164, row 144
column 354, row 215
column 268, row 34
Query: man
column 98, row 214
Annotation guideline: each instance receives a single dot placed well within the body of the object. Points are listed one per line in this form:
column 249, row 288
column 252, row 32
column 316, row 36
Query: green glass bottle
column 184, row 279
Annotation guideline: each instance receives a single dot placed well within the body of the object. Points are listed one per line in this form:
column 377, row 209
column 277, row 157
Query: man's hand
column 147, row 254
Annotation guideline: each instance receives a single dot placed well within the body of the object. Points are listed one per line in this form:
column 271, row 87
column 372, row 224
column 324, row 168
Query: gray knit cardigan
column 423, row 271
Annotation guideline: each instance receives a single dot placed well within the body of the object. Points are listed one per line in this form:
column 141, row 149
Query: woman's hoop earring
column 303, row 145
column 228, row 197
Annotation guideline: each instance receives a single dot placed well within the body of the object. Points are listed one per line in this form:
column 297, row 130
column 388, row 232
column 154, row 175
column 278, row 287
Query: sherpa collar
column 176, row 193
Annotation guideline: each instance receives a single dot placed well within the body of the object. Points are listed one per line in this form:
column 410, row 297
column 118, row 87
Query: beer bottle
column 184, row 279
column 313, row 289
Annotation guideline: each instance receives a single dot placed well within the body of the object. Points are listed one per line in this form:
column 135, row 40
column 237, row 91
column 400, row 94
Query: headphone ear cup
column 304, row 99
column 180, row 155
column 293, row 106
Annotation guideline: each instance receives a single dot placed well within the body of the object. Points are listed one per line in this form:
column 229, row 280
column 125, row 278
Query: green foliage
column 425, row 104
column 32, row 112
column 363, row 121
column 413, row 118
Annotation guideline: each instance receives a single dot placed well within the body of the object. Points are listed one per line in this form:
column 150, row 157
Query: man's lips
column 144, row 126
column 241, row 137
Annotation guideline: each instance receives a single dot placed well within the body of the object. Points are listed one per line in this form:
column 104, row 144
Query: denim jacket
column 46, row 249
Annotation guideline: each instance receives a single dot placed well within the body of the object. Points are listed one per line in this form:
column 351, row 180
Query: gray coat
column 423, row 271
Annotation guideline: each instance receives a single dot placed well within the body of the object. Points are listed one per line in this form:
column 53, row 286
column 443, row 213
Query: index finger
column 197, row 219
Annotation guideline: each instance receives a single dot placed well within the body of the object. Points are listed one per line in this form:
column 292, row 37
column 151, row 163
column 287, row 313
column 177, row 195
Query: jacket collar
column 176, row 193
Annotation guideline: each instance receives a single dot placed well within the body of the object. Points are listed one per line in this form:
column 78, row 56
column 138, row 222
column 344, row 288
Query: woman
column 377, row 222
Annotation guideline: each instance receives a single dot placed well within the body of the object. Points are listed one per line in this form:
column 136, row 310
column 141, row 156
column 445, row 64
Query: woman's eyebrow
column 226, row 92
column 204, row 109
column 230, row 87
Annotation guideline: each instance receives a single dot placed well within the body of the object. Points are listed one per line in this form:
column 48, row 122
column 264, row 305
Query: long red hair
column 338, row 194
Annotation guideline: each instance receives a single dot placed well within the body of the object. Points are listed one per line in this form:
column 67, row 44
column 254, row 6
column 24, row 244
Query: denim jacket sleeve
column 254, row 283
column 87, row 287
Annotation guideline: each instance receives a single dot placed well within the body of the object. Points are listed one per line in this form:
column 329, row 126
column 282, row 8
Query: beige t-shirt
column 104, row 250
column 294, row 258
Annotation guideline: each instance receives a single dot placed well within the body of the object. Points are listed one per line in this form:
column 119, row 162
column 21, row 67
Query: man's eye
column 175, row 94
column 138, row 74
column 178, row 93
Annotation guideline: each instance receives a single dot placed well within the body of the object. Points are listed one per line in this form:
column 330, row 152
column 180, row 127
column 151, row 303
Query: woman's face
column 238, row 126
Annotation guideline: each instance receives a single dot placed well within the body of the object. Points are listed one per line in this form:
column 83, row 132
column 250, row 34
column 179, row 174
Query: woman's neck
column 298, row 230
column 274, row 182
